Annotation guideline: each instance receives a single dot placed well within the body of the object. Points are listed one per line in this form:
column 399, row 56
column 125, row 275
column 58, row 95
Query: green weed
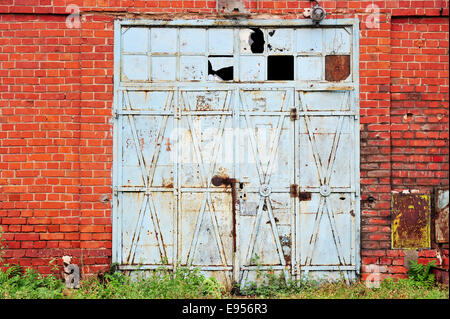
column 421, row 275
column 188, row 283
column 183, row 283
column 16, row 283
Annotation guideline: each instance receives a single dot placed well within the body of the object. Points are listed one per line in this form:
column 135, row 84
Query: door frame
column 296, row 85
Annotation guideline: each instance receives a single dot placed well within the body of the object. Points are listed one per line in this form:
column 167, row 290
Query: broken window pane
column 252, row 40
column 280, row 41
column 220, row 68
column 280, row 67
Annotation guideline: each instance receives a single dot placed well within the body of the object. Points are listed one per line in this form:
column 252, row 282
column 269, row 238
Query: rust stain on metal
column 203, row 103
column 304, row 196
column 293, row 114
column 168, row 185
column 337, row 67
column 441, row 220
column 293, row 190
column 227, row 181
column 411, row 220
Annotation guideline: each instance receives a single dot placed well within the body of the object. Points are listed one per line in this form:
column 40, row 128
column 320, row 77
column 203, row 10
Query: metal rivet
column 325, row 190
column 265, row 190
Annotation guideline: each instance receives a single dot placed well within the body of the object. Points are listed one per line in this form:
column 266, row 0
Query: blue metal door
column 236, row 147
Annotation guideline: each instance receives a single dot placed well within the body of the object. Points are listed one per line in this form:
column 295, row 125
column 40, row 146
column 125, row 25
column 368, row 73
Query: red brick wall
column 39, row 147
column 56, row 95
column 419, row 102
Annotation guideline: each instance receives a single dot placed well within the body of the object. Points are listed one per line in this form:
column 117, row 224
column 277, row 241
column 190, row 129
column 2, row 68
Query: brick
column 55, row 129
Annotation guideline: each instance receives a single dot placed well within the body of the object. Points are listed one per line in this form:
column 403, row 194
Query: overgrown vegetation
column 275, row 287
column 161, row 284
column 420, row 284
column 17, row 283
column 185, row 283
column 189, row 283
column 421, row 275
column 182, row 283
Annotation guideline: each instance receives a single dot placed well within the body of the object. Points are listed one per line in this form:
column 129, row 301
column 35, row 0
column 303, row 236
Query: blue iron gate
column 236, row 147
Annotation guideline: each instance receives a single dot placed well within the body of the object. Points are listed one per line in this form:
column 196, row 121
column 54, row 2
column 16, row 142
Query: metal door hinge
column 115, row 190
column 293, row 190
column 293, row 114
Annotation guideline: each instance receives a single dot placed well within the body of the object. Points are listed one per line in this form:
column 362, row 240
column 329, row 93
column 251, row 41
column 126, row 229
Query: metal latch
column 293, row 114
column 293, row 190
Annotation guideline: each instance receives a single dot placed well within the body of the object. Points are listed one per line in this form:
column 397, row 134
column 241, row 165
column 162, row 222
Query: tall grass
column 183, row 283
column 16, row 283
column 189, row 283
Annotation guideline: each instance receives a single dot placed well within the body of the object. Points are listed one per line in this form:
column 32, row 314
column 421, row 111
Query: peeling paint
column 411, row 220
column 441, row 219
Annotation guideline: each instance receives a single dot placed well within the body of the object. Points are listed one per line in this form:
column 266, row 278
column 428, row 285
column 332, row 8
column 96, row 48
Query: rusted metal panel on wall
column 441, row 215
column 215, row 121
column 411, row 220
column 337, row 67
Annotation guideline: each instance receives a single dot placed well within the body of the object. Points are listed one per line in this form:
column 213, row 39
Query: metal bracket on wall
column 234, row 7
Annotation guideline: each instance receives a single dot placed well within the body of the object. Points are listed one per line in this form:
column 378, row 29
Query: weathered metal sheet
column 441, row 219
column 411, row 220
column 337, row 67
column 327, row 219
column 215, row 122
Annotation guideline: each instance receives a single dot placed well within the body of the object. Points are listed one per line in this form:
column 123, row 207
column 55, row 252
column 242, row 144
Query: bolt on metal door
column 236, row 147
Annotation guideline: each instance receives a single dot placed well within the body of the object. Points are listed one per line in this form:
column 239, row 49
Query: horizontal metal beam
column 201, row 23
column 299, row 85
column 327, row 268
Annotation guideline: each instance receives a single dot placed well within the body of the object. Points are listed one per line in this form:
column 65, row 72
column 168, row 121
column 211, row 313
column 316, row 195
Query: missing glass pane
column 280, row 67
column 221, row 68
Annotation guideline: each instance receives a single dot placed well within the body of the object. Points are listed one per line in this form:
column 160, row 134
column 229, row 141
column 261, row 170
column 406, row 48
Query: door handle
column 221, row 180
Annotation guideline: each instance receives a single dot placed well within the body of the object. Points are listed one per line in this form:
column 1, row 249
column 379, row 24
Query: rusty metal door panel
column 411, row 216
column 250, row 105
column 441, row 219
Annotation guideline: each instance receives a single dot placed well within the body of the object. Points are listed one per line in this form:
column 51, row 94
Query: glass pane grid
column 210, row 54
